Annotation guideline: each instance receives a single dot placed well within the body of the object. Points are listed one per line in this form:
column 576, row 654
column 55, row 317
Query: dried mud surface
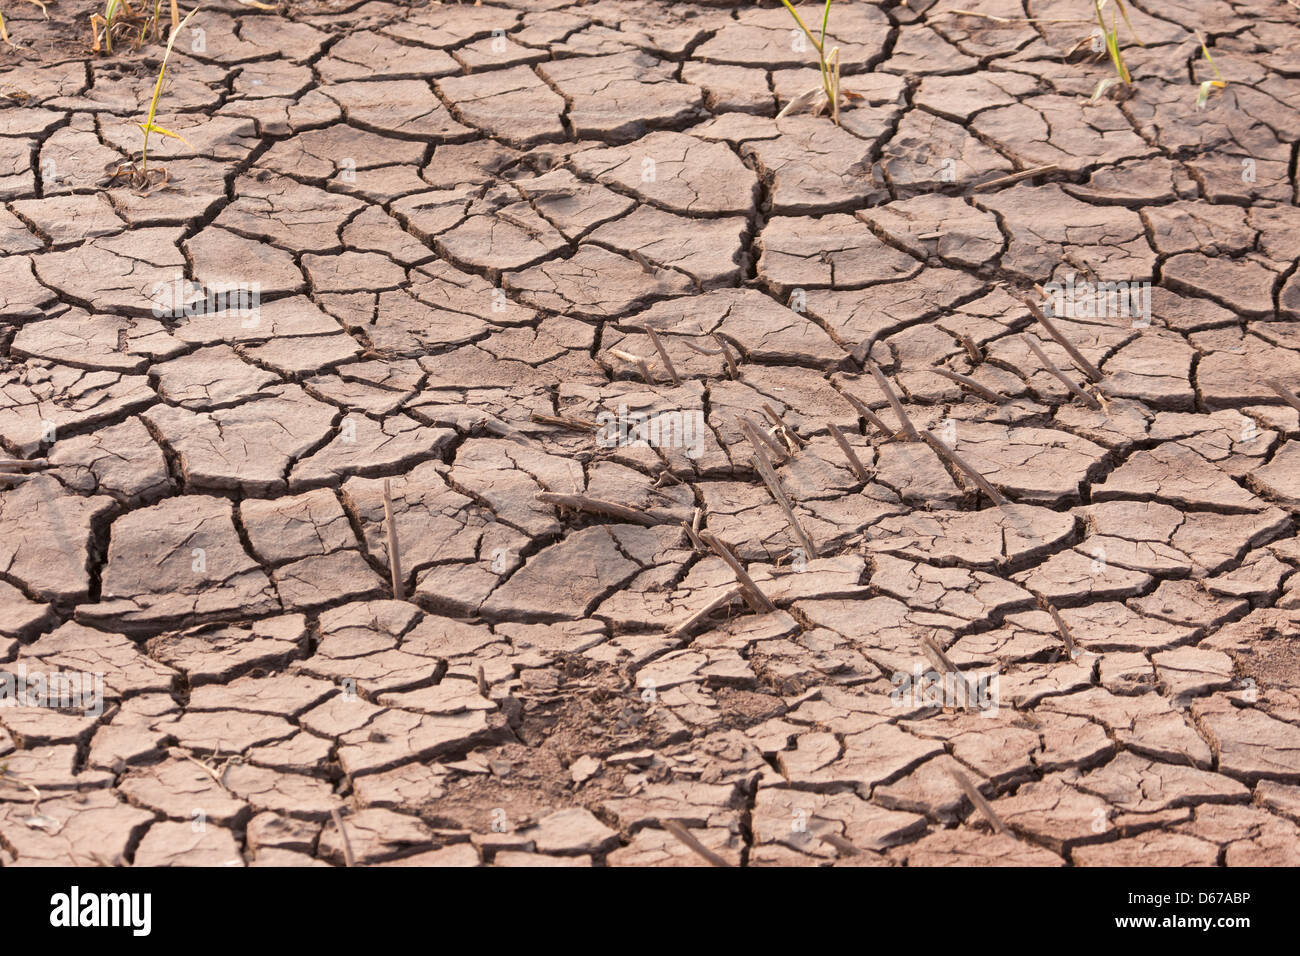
column 462, row 220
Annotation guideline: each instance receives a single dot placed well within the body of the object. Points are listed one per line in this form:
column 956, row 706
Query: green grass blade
column 1112, row 44
column 1128, row 23
column 148, row 124
column 826, row 16
column 155, row 128
column 1206, row 52
column 802, row 26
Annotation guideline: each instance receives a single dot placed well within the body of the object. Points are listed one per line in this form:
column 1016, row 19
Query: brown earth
column 479, row 233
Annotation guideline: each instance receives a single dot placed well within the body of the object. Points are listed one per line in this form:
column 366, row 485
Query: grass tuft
column 1111, row 38
column 140, row 176
column 829, row 64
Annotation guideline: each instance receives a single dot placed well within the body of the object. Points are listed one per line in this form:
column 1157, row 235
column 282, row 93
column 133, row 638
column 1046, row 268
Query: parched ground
column 462, row 222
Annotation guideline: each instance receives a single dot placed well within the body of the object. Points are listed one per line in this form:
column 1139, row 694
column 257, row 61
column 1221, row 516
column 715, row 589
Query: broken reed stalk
column 1014, row 177
column 218, row 777
column 786, row 430
column 943, row 663
column 998, row 19
column 971, row 348
column 758, row 438
column 1059, row 621
column 13, row 780
column 22, row 464
column 694, row 347
column 984, row 484
column 732, row 369
column 11, row 470
column 978, row 802
column 663, row 355
column 841, row 844
column 1082, row 264
column 704, row 613
column 681, row 833
column 624, row 356
column 394, row 552
column 611, row 509
column 1065, row 379
column 348, row 859
column 645, row 371
column 499, row 428
column 482, row 682
column 755, row 598
column 969, row 384
column 563, row 422
column 872, row 418
column 694, row 535
column 894, row 402
column 643, row 262
column 855, row 462
column 1076, row 356
column 768, row 474
column 1284, row 393
column 665, row 475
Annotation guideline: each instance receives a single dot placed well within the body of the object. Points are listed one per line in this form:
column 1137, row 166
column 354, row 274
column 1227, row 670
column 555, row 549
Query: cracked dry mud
column 462, row 221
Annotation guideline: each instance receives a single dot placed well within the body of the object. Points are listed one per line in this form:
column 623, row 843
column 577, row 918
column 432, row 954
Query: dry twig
column 394, row 553
column 874, row 420
column 755, row 598
column 944, row 665
column 1075, row 355
column 909, row 430
column 760, row 439
column 768, row 474
column 663, row 355
column 977, row 800
column 969, row 384
column 563, row 422
column 786, row 431
column 1061, row 627
column 348, row 859
column 945, row 452
column 732, row 369
column 611, row 509
column 854, row 461
column 1284, row 393
column 682, row 834
column 1065, row 380
column 1014, row 178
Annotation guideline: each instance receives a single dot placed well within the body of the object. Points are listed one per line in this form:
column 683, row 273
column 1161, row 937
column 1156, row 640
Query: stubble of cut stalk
column 1110, row 37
